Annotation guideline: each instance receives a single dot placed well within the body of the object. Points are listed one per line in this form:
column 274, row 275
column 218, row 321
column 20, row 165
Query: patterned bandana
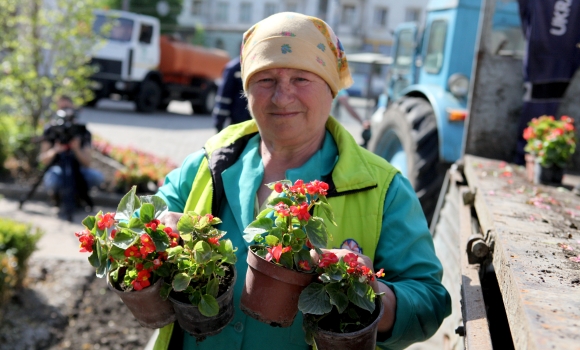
column 294, row 40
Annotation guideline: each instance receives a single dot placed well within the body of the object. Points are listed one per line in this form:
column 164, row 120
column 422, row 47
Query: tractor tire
column 207, row 101
column 407, row 138
column 148, row 97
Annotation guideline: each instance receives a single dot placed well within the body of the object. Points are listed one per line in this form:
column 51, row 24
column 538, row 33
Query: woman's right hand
column 170, row 219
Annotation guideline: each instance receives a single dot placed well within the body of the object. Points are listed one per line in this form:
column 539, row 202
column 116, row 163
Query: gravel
column 64, row 306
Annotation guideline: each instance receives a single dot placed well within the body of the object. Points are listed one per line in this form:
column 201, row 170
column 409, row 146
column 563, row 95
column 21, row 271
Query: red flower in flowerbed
column 552, row 141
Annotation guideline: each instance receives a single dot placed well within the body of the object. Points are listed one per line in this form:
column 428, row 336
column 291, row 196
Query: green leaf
column 89, row 222
column 202, row 252
column 135, row 223
column 264, row 213
column 287, row 261
column 314, row 300
column 257, row 227
column 271, row 240
column 160, row 239
column 327, row 210
column 180, row 282
column 185, row 224
column 102, row 269
column 363, row 301
column 316, row 232
column 213, row 287
column 337, row 296
column 165, row 290
column 124, row 238
column 226, row 249
column 94, row 259
column 173, row 252
column 208, row 306
column 147, row 212
column 158, row 203
column 117, row 253
column 127, row 206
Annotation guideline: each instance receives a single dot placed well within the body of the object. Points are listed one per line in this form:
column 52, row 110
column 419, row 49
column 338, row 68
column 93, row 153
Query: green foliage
column 199, row 265
column 551, row 141
column 16, row 141
column 287, row 240
column 19, row 241
column 149, row 7
column 343, row 290
column 45, row 53
column 7, row 277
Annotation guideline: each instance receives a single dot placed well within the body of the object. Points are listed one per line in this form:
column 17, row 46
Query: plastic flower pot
column 363, row 339
column 548, row 175
column 146, row 305
column 198, row 325
column 271, row 292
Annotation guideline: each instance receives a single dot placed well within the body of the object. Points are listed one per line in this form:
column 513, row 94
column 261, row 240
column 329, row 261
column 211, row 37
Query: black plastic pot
column 364, row 339
column 198, row 325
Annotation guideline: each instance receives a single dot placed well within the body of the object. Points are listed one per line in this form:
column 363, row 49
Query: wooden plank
column 477, row 336
column 539, row 284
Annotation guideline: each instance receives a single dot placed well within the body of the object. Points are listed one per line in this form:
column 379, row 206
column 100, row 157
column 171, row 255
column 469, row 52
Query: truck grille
column 107, row 66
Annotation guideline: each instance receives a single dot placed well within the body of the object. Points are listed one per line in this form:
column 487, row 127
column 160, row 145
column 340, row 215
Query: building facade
column 361, row 25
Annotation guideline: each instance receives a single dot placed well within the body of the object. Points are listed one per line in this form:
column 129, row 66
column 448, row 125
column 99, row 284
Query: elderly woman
column 292, row 67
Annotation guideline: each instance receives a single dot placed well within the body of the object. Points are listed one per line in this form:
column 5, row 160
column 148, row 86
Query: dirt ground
column 64, row 306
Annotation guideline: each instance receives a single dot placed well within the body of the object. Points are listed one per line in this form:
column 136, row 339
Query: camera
column 63, row 128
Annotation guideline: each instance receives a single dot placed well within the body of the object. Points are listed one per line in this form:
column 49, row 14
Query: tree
column 45, row 52
column 155, row 8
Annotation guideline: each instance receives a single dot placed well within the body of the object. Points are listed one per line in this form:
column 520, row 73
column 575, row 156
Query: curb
column 19, row 192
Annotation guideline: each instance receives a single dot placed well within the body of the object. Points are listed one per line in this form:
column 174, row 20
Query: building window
column 380, row 16
column 347, row 17
column 196, row 7
column 412, row 14
column 246, row 12
column 222, row 11
column 292, row 7
column 270, row 9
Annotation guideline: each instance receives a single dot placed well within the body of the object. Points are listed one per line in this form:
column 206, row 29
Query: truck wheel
column 407, row 138
column 207, row 102
column 148, row 97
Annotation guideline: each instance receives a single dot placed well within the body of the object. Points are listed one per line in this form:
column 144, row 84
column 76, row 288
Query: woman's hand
column 389, row 299
column 170, row 219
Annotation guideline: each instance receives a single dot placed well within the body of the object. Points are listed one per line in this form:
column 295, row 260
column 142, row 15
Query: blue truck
column 420, row 120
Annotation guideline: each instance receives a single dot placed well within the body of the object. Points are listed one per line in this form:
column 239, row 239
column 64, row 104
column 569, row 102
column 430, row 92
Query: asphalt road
column 174, row 133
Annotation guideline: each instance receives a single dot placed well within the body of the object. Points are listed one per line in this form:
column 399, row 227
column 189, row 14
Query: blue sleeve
column 412, row 270
column 177, row 185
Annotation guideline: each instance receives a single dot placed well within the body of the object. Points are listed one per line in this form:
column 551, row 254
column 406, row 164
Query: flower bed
column 141, row 169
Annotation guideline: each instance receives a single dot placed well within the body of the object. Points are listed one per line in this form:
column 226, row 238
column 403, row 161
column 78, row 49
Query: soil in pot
column 198, row 325
column 271, row 292
column 360, row 335
column 146, row 305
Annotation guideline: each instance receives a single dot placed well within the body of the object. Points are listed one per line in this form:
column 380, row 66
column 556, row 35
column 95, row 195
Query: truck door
column 403, row 69
column 145, row 56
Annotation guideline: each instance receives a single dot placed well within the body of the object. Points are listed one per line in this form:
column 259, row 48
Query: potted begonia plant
column 341, row 309
column 130, row 250
column 284, row 233
column 202, row 276
column 550, row 145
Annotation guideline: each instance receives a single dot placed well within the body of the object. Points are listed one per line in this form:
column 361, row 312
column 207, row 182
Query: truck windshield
column 114, row 28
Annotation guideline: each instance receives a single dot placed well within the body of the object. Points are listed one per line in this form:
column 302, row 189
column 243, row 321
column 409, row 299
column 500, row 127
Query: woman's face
column 290, row 106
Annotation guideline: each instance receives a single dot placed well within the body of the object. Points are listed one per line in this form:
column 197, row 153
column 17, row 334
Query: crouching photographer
column 66, row 150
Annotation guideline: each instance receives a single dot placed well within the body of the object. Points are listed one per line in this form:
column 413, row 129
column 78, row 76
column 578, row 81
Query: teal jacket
column 404, row 248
